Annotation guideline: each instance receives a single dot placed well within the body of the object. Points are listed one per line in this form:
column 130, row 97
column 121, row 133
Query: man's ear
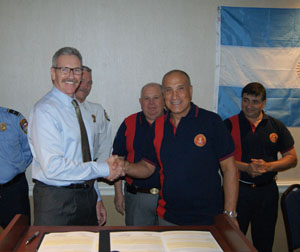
column 264, row 103
column 52, row 72
column 140, row 100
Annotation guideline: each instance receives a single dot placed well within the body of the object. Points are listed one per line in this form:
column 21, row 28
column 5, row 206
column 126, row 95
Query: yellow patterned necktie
column 85, row 148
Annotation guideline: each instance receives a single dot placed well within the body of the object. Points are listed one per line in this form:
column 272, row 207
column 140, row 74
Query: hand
column 115, row 170
column 256, row 167
column 261, row 165
column 120, row 203
column 119, row 197
column 101, row 213
column 123, row 164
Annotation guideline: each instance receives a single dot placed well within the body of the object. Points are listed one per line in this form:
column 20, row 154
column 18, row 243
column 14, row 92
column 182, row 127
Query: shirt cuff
column 97, row 190
column 103, row 169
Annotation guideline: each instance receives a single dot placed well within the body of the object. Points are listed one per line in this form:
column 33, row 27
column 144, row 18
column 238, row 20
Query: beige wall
column 127, row 43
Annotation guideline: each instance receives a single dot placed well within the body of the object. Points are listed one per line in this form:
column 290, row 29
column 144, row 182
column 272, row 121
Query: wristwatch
column 232, row 214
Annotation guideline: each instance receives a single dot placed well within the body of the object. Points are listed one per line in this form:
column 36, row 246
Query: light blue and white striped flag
column 259, row 45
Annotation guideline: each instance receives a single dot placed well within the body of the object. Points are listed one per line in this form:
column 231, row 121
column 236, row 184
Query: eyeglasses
column 67, row 70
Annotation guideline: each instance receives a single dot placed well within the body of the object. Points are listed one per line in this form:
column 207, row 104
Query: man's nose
column 174, row 94
column 71, row 73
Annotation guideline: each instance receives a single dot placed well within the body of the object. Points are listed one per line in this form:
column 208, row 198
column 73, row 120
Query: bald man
column 141, row 195
column 190, row 145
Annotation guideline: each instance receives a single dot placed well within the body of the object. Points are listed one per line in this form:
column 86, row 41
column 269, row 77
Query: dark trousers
column 14, row 200
column 259, row 206
column 59, row 206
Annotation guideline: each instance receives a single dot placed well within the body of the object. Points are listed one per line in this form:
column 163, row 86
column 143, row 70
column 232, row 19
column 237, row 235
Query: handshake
column 116, row 167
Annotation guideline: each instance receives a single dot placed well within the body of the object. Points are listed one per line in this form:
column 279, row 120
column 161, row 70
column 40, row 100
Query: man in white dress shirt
column 103, row 137
column 65, row 190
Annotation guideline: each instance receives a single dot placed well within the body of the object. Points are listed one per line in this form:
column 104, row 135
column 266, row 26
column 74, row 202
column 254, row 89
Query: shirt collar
column 194, row 111
column 83, row 104
column 265, row 116
column 142, row 118
column 67, row 100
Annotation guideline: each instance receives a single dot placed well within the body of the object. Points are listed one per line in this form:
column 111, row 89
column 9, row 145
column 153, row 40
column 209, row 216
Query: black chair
column 290, row 206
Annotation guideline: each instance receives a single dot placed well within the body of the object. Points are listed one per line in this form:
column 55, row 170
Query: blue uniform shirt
column 15, row 155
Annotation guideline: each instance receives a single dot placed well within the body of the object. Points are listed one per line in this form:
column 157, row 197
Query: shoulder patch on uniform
column 13, row 112
column 106, row 116
column 23, row 125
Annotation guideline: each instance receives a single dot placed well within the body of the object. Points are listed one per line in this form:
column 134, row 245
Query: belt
column 78, row 186
column 134, row 189
column 85, row 185
column 253, row 185
column 14, row 180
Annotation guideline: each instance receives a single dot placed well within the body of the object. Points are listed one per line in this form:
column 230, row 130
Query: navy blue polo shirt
column 129, row 142
column 189, row 156
column 270, row 137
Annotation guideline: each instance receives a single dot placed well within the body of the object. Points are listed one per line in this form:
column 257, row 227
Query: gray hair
column 86, row 68
column 89, row 70
column 151, row 84
column 66, row 51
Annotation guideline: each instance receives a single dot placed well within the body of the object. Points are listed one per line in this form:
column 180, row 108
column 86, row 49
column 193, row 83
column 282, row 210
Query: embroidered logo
column 273, row 137
column 94, row 118
column 200, row 140
column 2, row 126
column 106, row 116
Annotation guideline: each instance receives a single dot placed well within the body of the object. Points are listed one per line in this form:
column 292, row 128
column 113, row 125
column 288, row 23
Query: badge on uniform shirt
column 94, row 118
column 2, row 126
column 273, row 137
column 23, row 125
column 200, row 140
column 106, row 116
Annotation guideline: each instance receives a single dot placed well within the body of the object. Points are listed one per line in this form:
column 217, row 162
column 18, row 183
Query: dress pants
column 60, row 206
column 140, row 209
column 14, row 200
column 258, row 206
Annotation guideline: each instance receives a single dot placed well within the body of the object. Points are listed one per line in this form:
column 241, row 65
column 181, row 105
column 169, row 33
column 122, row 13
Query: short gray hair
column 66, row 51
column 152, row 84
column 86, row 68
column 89, row 70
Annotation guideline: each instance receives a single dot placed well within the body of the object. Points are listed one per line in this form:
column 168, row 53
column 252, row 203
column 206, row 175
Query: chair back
column 290, row 207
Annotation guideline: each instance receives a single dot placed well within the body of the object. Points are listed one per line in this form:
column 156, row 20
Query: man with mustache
column 103, row 138
column 61, row 140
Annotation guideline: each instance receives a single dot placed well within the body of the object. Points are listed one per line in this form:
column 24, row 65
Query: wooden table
column 15, row 235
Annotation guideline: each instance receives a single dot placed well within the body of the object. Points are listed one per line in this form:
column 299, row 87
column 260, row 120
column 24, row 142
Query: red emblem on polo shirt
column 273, row 137
column 200, row 140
